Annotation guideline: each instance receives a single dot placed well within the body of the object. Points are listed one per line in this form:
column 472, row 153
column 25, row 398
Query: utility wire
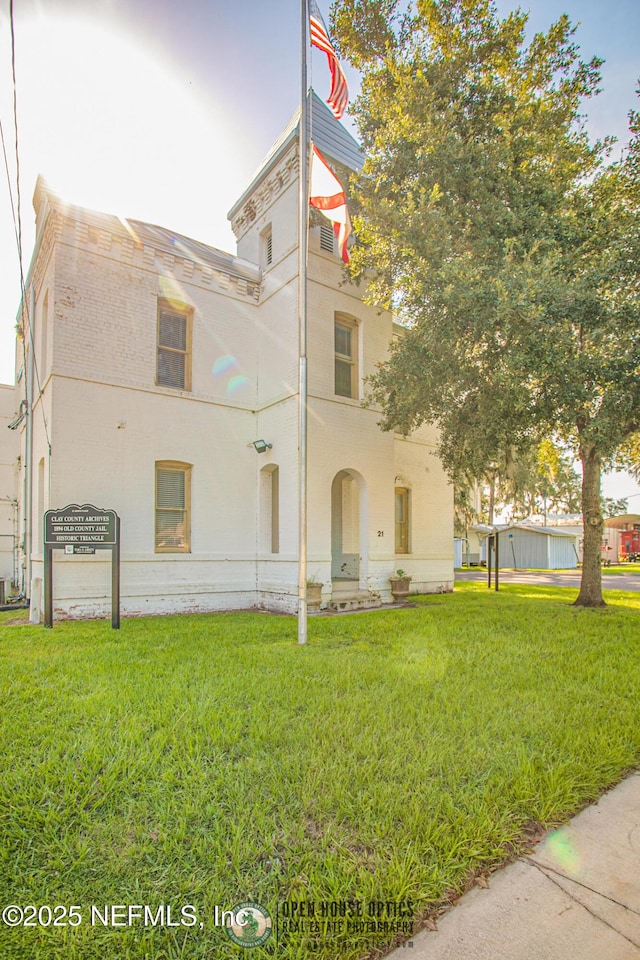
column 9, row 187
column 16, row 207
column 17, row 147
column 17, row 223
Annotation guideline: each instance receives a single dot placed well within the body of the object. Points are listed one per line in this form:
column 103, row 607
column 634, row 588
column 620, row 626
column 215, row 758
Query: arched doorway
column 348, row 527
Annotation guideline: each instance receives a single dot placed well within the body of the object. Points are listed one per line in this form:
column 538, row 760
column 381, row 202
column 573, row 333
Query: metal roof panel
column 332, row 139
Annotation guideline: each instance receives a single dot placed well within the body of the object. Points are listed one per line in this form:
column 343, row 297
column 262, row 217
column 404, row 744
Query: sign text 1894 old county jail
column 82, row 530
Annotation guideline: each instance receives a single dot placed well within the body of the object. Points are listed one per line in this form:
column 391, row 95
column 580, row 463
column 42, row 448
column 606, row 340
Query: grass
column 615, row 568
column 625, row 568
column 209, row 760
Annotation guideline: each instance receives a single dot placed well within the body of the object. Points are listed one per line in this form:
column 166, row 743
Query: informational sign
column 81, row 530
column 85, row 526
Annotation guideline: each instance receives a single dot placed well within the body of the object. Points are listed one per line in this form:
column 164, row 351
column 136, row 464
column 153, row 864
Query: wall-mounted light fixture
column 22, row 412
column 262, row 446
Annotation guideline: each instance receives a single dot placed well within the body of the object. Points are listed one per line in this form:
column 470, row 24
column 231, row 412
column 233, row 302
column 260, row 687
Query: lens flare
column 172, row 290
column 560, row 848
column 223, row 364
column 236, row 383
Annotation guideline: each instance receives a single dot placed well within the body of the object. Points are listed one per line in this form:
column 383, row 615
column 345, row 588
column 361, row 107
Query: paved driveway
column 561, row 578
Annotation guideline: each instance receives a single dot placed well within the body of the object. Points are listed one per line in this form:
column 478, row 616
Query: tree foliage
column 542, row 480
column 628, row 457
column 504, row 238
column 614, row 507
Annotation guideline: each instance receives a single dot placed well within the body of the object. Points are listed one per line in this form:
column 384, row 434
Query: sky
column 161, row 110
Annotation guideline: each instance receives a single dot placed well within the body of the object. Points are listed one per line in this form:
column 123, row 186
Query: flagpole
column 303, row 214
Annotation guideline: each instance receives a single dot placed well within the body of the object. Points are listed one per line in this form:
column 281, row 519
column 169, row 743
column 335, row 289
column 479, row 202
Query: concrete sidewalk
column 577, row 897
column 553, row 578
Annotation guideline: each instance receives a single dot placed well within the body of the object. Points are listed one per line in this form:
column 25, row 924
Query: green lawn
column 625, row 568
column 210, row 760
column 615, row 568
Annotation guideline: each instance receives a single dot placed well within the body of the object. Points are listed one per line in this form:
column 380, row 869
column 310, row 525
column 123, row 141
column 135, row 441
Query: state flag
column 327, row 195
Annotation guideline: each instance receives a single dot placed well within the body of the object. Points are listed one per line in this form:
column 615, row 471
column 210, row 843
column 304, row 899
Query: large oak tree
column 503, row 237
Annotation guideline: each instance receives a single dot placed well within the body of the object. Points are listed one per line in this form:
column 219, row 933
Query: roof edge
column 332, row 137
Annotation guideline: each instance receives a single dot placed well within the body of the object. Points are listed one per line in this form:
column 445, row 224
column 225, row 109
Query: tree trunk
column 591, row 584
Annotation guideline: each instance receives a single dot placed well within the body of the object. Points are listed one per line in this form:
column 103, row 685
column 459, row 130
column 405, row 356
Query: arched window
column 173, row 352
column 173, row 507
column 266, row 246
column 346, row 356
column 44, row 333
column 40, row 508
column 270, row 509
column 402, row 520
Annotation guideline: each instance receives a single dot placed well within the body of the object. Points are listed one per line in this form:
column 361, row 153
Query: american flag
column 339, row 95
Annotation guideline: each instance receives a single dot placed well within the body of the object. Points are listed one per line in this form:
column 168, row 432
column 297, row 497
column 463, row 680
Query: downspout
column 28, row 464
column 16, row 545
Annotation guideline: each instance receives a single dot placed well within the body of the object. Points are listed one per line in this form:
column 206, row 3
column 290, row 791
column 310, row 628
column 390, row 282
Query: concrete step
column 344, row 586
column 343, row 601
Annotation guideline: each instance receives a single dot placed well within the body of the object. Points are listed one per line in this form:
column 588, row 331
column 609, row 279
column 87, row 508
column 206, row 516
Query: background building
column 523, row 546
column 622, row 537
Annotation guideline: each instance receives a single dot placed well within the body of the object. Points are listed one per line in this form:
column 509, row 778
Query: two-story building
column 158, row 363
column 9, row 452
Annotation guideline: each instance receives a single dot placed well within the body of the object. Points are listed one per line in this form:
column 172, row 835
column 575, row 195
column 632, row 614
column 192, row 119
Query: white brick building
column 161, row 360
column 9, row 451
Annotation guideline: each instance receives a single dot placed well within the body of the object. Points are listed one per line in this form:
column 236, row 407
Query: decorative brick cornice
column 268, row 190
column 52, row 232
column 123, row 247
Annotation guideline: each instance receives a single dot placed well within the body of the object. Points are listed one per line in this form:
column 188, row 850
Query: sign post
column 81, row 530
column 492, row 544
